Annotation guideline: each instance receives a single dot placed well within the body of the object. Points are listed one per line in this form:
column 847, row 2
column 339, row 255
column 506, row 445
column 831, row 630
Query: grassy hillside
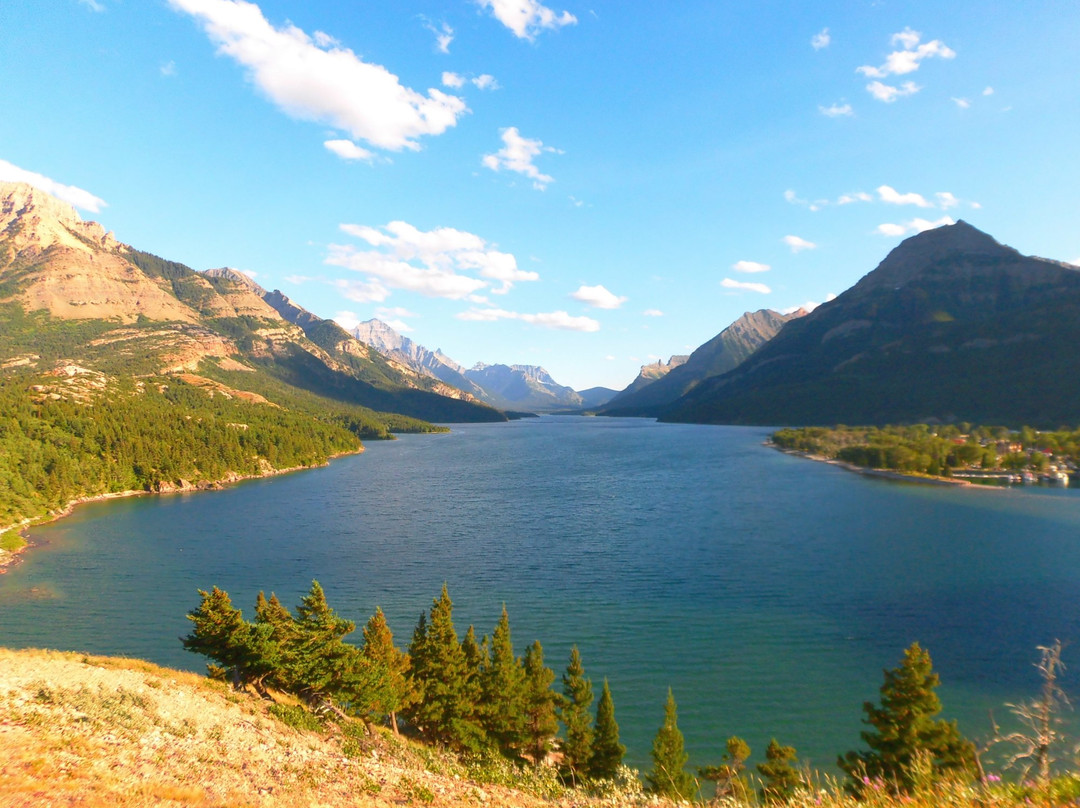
column 94, row 731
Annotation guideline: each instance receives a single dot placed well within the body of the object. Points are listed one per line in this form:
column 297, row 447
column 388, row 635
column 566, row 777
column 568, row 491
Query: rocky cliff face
column 50, row 259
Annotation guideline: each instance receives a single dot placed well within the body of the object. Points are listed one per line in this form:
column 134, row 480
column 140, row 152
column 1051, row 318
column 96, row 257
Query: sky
column 584, row 185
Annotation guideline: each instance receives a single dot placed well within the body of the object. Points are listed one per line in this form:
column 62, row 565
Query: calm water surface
column 767, row 590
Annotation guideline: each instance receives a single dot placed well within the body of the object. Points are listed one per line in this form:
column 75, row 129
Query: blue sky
column 587, row 186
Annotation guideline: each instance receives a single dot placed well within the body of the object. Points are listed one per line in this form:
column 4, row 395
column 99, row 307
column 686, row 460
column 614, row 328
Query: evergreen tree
column 380, row 651
column 728, row 776
column 607, row 752
column 541, row 721
column 576, row 702
column 781, row 778
column 904, row 730
column 219, row 633
column 669, row 777
column 320, row 664
column 503, row 691
column 445, row 713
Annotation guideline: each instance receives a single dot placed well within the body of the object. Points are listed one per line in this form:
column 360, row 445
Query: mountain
column 507, row 387
column 384, row 339
column 950, row 326
column 727, row 350
column 522, row 387
column 651, row 373
column 596, row 397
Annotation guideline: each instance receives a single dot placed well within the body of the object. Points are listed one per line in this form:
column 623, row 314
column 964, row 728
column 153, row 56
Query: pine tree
column 380, row 651
column 728, row 776
column 669, row 777
column 445, row 713
column 503, row 692
column 321, row 665
column 576, row 702
column 219, row 633
column 781, row 778
column 904, row 730
column 541, row 721
column 607, row 752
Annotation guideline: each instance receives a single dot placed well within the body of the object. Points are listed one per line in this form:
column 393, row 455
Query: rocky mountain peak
column 926, row 251
column 30, row 217
column 236, row 276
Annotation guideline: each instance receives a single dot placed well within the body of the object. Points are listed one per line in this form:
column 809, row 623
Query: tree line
column 470, row 695
column 476, row 696
column 936, row 450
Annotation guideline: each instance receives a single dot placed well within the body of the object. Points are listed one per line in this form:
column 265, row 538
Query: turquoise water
column 768, row 591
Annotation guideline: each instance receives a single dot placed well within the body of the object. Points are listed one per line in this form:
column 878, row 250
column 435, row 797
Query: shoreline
column 9, row 558
column 882, row 473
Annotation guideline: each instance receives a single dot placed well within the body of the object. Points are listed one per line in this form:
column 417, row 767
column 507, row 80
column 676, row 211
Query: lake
column 767, row 590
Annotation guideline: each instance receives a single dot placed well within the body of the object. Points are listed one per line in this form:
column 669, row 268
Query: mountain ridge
column 951, row 325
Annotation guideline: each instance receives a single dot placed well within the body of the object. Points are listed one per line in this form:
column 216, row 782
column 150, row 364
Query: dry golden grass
column 94, row 731
column 98, row 731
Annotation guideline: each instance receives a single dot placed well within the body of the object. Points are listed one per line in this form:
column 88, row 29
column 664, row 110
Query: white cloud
column 93, row 5
column 901, row 62
column 894, row 197
column 653, row 313
column 455, row 81
column 799, row 244
column 946, row 200
column 517, row 154
column 347, row 150
column 1076, row 262
column 526, row 18
column 988, row 91
column 347, row 320
column 84, row 200
column 837, row 110
column 558, row 320
column 853, row 197
column 598, row 297
column 963, row 103
column 444, row 35
column 888, row 93
column 386, row 312
column 914, row 226
column 792, row 198
column 168, row 69
column 437, row 263
column 324, row 83
column 821, row 40
column 760, row 288
column 370, row 291
column 750, row 266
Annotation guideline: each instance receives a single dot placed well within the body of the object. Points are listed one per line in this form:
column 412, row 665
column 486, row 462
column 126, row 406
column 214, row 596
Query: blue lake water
column 768, row 591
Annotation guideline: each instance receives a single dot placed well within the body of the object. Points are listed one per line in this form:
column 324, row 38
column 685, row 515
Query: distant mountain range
column 507, row 387
column 115, row 309
column 951, row 326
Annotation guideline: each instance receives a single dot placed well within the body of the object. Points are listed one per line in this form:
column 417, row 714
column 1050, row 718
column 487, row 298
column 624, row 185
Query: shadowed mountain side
column 951, row 325
column 727, row 350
